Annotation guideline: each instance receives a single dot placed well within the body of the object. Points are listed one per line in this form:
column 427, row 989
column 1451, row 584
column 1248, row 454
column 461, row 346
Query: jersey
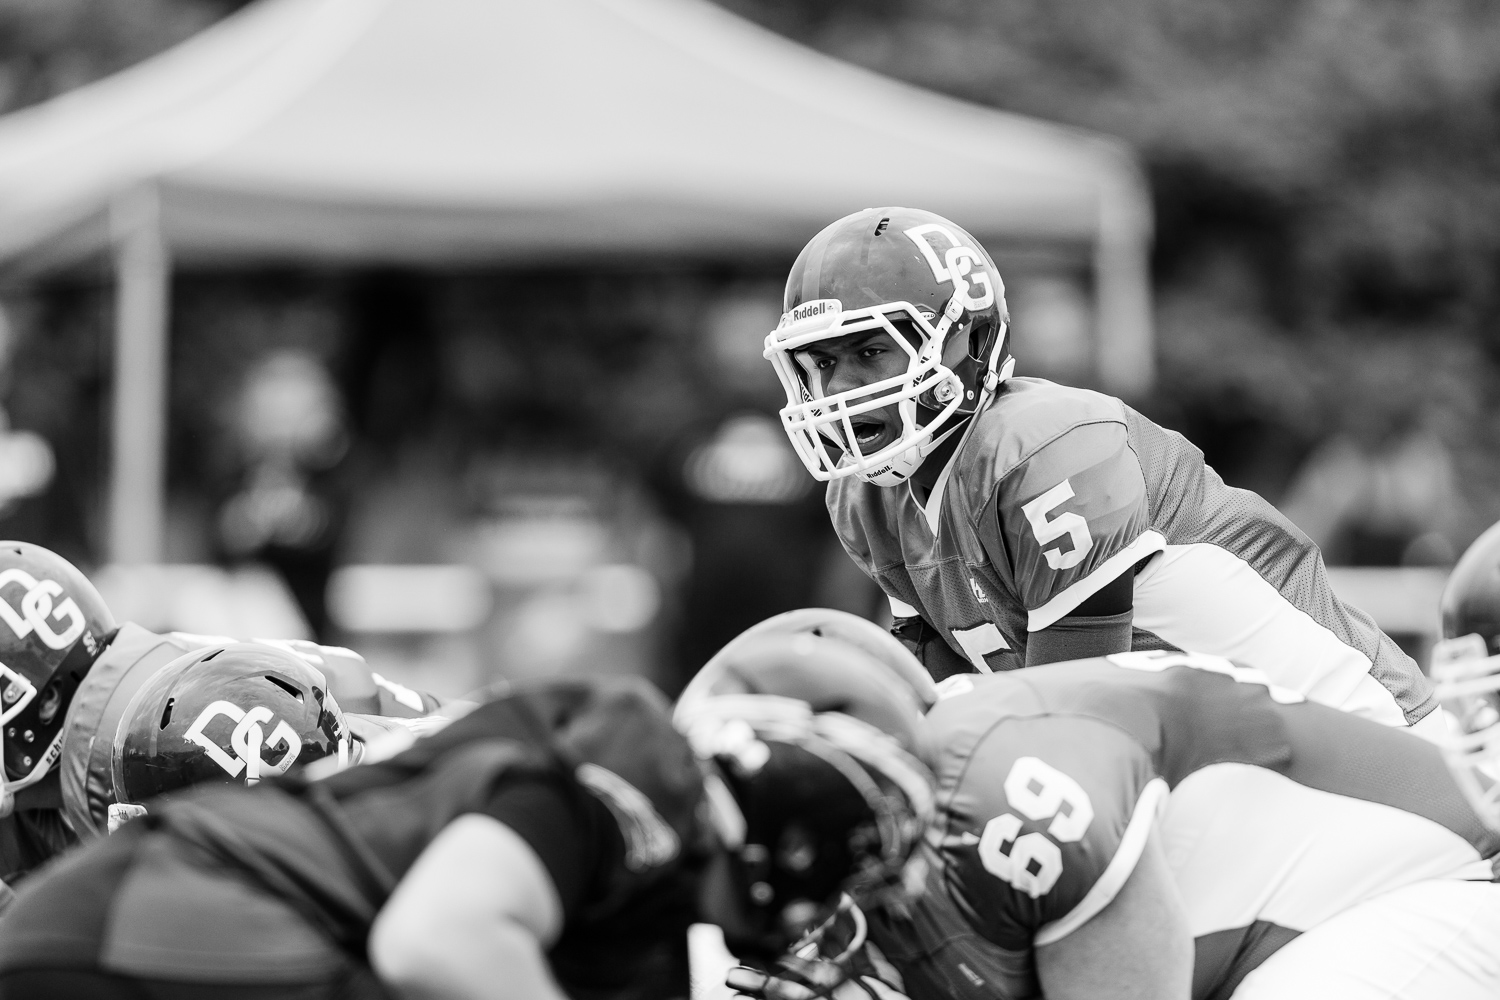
column 1274, row 814
column 326, row 854
column 1055, row 492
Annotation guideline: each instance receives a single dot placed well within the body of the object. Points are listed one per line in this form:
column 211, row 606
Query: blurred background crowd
column 479, row 469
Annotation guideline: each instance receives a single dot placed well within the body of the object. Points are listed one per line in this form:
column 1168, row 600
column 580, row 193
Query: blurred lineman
column 1167, row 825
column 66, row 675
column 558, row 839
column 1013, row 521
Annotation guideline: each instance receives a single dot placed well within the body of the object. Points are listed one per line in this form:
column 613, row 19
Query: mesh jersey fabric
column 983, row 578
column 1370, row 809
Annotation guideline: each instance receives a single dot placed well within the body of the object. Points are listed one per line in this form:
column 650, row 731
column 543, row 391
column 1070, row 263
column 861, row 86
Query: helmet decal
column 246, row 740
column 37, row 607
column 957, row 265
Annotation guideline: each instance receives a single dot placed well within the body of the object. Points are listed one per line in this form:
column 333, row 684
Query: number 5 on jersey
column 1032, row 862
column 1065, row 525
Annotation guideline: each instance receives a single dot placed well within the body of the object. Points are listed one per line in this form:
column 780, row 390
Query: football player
column 557, row 839
column 1466, row 665
column 66, row 674
column 1012, row 521
column 1157, row 824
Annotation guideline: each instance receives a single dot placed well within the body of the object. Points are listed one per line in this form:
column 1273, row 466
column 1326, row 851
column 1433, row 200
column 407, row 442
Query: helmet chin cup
column 16, row 693
column 1467, row 683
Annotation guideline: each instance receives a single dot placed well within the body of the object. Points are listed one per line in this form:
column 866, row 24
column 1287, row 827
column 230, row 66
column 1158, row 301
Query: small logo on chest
column 979, row 594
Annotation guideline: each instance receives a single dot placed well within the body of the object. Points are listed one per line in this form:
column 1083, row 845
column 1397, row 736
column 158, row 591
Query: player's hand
column 811, row 979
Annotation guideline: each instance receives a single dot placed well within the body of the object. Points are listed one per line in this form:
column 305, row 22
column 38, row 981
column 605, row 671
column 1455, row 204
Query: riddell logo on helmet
column 808, row 310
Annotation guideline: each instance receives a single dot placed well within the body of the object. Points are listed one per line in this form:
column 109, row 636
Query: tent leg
column 143, row 281
column 1122, row 285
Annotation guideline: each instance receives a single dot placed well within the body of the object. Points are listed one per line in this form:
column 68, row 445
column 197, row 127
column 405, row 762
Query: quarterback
column 1012, row 521
column 555, row 841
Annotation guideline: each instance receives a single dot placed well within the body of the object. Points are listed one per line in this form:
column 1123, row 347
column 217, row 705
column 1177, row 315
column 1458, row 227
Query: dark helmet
column 232, row 714
column 55, row 626
column 936, row 291
column 1466, row 669
column 821, row 747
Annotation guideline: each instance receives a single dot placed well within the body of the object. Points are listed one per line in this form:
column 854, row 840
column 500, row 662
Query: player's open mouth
column 869, row 433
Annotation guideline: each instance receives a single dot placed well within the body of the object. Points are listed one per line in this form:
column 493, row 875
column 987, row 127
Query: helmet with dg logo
column 232, row 714
column 55, row 625
column 936, row 292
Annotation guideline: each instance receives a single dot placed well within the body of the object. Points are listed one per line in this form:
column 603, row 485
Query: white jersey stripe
column 1148, row 808
column 900, row 609
column 1246, row 843
column 1204, row 598
column 1062, row 604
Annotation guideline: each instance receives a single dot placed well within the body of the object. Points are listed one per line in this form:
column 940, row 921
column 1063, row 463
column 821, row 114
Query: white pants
column 1437, row 940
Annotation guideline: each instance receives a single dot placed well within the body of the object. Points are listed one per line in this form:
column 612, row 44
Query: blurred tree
column 51, row 46
column 1326, row 175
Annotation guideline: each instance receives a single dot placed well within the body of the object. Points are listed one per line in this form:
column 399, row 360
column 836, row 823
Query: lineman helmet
column 822, row 749
column 936, row 292
column 842, row 626
column 1466, row 667
column 228, row 713
column 56, row 625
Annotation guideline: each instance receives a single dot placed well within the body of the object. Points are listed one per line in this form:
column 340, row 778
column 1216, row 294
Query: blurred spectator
column 289, row 426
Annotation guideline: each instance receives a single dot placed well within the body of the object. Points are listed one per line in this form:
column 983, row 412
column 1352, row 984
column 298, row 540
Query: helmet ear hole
column 166, row 714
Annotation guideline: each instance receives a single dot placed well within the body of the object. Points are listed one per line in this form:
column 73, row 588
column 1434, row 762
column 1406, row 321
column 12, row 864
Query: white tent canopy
column 498, row 131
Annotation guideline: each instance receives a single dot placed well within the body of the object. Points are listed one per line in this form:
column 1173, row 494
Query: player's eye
column 814, row 362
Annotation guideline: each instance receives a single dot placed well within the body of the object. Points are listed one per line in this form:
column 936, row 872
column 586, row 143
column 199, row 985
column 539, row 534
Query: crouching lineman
column 556, row 839
column 66, row 672
column 1168, row 825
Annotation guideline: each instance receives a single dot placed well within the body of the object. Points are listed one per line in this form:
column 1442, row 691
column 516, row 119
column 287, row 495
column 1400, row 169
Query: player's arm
column 925, row 642
column 1072, row 521
column 1139, row 947
column 472, row 918
column 477, row 911
column 1101, row 625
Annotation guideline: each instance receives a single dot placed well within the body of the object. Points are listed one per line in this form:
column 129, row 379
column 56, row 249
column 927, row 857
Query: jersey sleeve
column 1046, row 823
column 554, row 825
column 1072, row 517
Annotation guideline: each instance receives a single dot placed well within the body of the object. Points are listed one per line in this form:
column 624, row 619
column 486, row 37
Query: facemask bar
column 16, row 692
column 1468, row 687
column 811, row 422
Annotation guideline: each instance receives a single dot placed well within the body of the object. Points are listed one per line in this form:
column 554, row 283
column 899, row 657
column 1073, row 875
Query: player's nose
column 842, row 376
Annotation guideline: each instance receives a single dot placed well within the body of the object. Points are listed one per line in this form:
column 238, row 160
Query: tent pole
column 1122, row 287
column 143, row 282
